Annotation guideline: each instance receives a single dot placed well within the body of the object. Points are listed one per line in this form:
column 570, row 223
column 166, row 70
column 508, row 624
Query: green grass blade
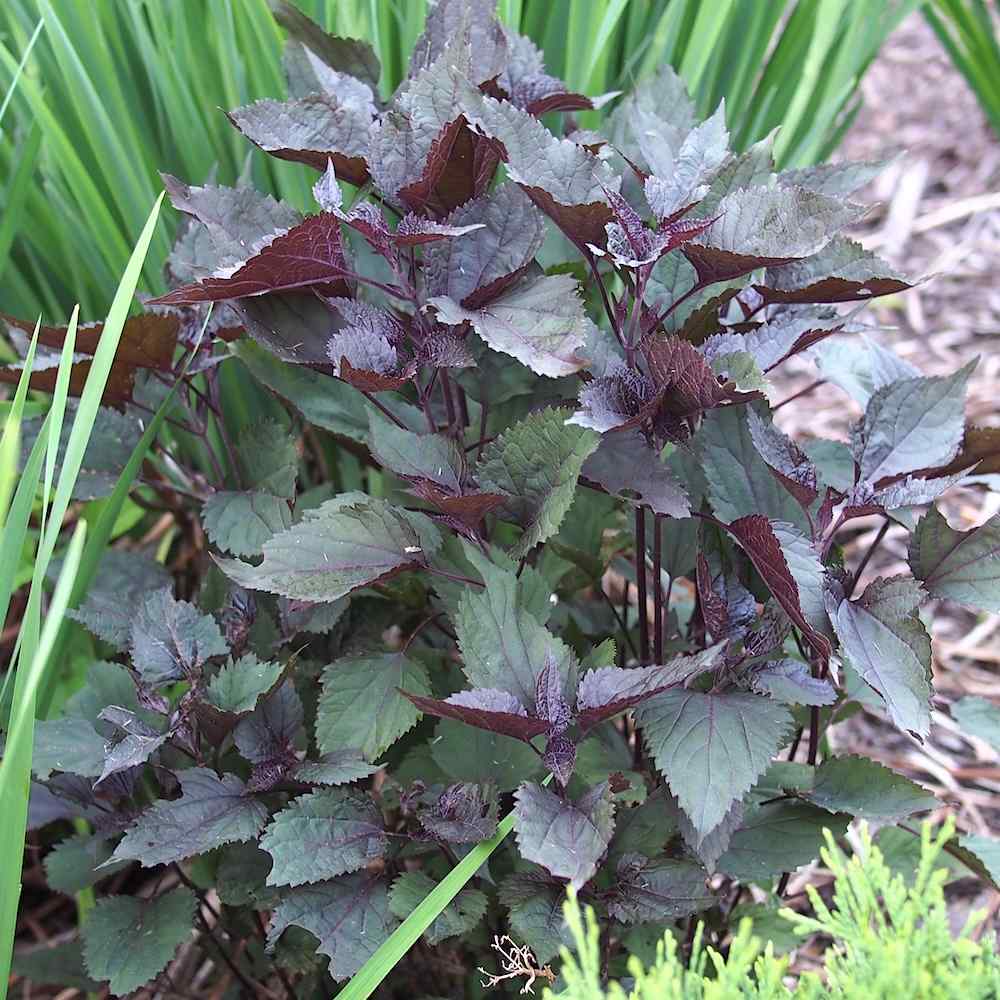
column 93, row 390
column 16, row 195
column 15, row 769
column 365, row 982
column 15, row 524
column 103, row 526
column 20, row 69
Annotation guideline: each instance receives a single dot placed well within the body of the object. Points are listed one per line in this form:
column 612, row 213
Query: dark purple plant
column 558, row 347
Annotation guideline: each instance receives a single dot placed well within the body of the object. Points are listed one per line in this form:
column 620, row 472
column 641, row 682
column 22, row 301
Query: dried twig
column 517, row 962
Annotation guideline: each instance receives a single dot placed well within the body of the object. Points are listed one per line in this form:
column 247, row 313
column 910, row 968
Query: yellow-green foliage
column 888, row 940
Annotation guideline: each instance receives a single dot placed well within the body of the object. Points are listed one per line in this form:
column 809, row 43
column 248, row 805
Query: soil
column 935, row 212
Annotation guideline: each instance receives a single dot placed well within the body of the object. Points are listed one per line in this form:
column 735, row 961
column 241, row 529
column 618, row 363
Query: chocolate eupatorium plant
column 557, row 345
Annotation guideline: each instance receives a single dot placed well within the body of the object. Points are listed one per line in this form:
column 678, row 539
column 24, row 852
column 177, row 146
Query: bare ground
column 936, row 213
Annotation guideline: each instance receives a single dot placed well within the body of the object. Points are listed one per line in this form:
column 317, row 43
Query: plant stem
column 282, row 975
column 866, row 558
column 657, row 591
column 782, row 884
column 696, row 287
column 223, row 952
column 640, row 576
column 484, row 409
column 449, row 402
column 622, row 623
column 795, row 743
column 612, row 316
column 455, row 577
column 384, row 410
column 813, row 734
column 802, row 392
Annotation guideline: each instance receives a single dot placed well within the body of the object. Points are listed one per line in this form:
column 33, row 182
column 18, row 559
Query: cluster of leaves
column 558, row 348
column 889, row 937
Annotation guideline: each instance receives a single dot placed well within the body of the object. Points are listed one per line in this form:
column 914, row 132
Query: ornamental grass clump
column 531, row 541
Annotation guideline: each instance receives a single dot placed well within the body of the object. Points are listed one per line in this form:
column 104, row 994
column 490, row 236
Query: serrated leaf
column 474, row 755
column 343, row 544
column 712, row 747
column 535, row 911
column 463, row 814
column 268, row 454
column 657, row 889
column 753, row 168
column 568, row 838
column 210, row 812
column 678, row 178
column 113, row 435
column 349, row 915
column 776, row 838
column 70, row 745
column 606, row 691
column 324, row 401
column 483, row 264
column 987, row 852
column 843, row 271
column 620, row 398
column 57, row 965
column 343, row 55
column 338, row 768
column 959, row 566
column 540, row 321
column 625, row 465
column 293, row 326
column 238, row 685
column 791, row 682
column 361, row 705
column 791, row 568
column 417, row 456
column 710, row 846
column 536, row 463
column 127, row 941
column 120, row 583
column 323, row 834
column 308, row 254
column 740, row 482
column 646, row 828
column 880, row 653
column 978, row 717
column 486, row 708
column 240, row 523
column 172, row 639
column 765, row 226
column 684, row 381
column 303, row 616
column 72, row 865
column 860, row 366
column 315, row 130
column 105, row 684
column 503, row 645
column 460, row 916
column 804, row 564
column 266, row 736
column 785, row 334
column 563, row 179
column 836, row 179
column 792, row 466
column 910, row 424
column 135, row 741
column 241, row 876
column 866, row 789
column 236, row 220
